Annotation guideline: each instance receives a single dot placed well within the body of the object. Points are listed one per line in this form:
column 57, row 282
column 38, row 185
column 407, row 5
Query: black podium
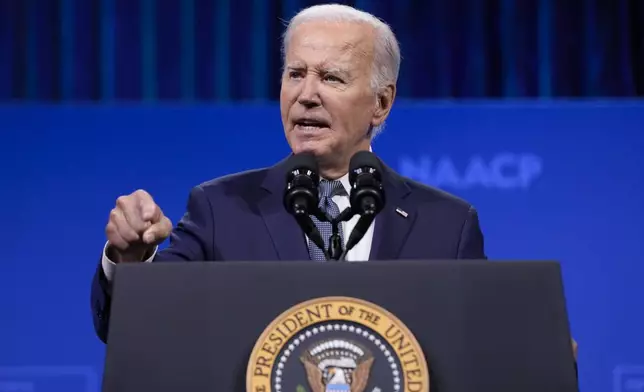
column 439, row 326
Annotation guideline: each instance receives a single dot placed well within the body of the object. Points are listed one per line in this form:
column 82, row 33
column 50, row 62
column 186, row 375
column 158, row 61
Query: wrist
column 130, row 255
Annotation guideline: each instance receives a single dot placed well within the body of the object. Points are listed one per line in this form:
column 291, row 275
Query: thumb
column 158, row 232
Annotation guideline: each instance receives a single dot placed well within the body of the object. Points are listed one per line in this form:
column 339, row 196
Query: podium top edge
column 492, row 263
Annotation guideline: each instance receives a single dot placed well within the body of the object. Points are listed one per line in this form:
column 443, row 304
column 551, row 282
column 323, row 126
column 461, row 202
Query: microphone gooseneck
column 357, row 233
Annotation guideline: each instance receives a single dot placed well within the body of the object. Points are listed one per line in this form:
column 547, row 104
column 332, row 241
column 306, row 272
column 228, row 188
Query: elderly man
column 338, row 87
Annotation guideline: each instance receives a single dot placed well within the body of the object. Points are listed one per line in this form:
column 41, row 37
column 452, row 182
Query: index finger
column 146, row 204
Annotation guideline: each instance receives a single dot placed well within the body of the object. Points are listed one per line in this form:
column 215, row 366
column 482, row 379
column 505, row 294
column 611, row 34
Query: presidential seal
column 337, row 344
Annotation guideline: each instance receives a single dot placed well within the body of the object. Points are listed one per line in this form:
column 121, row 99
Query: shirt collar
column 345, row 183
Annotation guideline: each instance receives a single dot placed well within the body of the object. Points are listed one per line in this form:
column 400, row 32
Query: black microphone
column 301, row 195
column 367, row 194
column 365, row 175
column 302, row 179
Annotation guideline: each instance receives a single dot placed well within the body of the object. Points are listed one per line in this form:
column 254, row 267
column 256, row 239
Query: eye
column 294, row 74
column 332, row 78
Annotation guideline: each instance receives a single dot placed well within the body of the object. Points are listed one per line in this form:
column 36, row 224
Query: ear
column 384, row 102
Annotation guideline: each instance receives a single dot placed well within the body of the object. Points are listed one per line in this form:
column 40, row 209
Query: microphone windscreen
column 303, row 161
column 363, row 159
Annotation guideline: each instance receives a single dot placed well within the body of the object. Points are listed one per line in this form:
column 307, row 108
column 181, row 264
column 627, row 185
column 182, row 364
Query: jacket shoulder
column 240, row 181
column 430, row 194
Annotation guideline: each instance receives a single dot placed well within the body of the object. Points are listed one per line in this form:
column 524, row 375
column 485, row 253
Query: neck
column 334, row 168
column 333, row 173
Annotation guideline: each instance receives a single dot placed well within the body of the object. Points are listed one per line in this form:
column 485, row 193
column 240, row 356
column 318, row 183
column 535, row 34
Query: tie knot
column 328, row 189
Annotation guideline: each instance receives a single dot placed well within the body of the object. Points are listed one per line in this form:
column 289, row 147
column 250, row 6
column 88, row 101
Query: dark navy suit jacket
column 242, row 217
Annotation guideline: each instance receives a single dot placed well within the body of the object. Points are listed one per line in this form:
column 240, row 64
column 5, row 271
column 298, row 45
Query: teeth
column 309, row 127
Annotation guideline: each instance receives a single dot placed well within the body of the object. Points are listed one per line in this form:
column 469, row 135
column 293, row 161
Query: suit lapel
column 395, row 221
column 288, row 238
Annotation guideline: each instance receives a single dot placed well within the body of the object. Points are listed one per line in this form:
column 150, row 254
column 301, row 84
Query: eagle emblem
column 337, row 366
column 337, row 344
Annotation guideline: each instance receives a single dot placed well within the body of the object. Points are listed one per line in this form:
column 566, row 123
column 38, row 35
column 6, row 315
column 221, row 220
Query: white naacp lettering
column 502, row 171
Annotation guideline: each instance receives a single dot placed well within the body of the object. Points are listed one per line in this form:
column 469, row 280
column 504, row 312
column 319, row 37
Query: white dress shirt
column 360, row 252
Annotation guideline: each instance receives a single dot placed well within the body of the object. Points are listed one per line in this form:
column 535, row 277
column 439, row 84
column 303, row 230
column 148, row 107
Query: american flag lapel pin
column 401, row 212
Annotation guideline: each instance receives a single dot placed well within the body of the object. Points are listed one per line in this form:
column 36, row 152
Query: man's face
column 327, row 103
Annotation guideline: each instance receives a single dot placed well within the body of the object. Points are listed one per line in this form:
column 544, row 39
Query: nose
column 309, row 95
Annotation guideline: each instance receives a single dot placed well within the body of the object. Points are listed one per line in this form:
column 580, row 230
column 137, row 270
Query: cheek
column 355, row 100
column 343, row 111
column 286, row 97
column 353, row 117
column 284, row 110
column 285, row 107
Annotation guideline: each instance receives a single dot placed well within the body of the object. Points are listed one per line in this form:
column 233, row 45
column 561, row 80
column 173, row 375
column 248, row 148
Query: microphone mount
column 336, row 249
column 367, row 199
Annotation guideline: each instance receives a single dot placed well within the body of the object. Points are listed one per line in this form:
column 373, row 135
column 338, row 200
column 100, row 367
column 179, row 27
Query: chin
column 306, row 147
column 318, row 148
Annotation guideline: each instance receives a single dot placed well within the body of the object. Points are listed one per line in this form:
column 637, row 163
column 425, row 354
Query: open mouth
column 310, row 124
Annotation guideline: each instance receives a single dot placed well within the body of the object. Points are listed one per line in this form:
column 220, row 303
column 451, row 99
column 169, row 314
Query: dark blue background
column 229, row 50
column 578, row 200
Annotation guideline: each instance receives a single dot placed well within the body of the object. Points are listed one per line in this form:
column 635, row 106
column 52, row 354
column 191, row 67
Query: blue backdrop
column 552, row 180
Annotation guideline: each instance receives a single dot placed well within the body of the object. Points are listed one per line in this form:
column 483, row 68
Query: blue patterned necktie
column 326, row 189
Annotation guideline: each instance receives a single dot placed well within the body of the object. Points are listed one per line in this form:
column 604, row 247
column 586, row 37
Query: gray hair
column 386, row 64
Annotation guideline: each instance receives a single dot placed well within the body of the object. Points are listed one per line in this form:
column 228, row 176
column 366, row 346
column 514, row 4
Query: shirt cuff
column 109, row 266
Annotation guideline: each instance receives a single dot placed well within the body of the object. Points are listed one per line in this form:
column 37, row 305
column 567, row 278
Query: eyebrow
column 336, row 70
column 322, row 67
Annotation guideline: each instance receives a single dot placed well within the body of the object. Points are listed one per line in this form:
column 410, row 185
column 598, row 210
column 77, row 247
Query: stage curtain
column 229, row 50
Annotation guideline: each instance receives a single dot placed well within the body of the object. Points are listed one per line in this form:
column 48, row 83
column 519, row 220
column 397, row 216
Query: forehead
column 315, row 41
